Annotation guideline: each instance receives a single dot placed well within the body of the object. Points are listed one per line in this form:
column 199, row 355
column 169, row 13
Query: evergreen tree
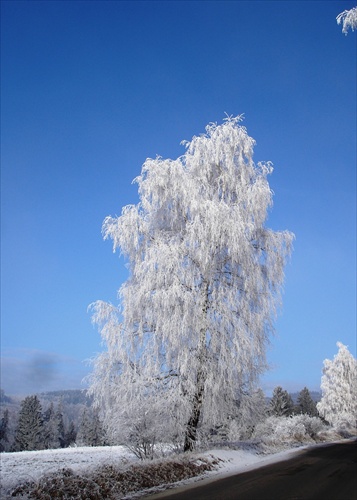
column 4, row 429
column 51, row 435
column 96, row 435
column 305, row 403
column 281, row 403
column 84, row 429
column 60, row 426
column 90, row 431
column 70, row 435
column 29, row 431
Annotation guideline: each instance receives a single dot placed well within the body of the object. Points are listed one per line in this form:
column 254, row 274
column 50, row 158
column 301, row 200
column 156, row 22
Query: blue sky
column 91, row 89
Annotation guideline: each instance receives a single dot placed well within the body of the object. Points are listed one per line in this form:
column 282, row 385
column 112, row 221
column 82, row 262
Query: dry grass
column 112, row 483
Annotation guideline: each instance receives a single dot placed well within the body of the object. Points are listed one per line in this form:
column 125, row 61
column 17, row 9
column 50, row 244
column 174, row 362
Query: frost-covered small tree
column 60, row 425
column 84, row 429
column 338, row 404
column 70, row 435
column 90, row 432
column 252, row 409
column 197, row 311
column 348, row 18
column 305, row 404
column 281, row 404
column 4, row 431
column 96, row 434
column 29, row 431
column 53, row 427
column 50, row 429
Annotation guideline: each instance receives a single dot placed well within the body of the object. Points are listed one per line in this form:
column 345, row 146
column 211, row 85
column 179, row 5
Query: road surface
column 327, row 472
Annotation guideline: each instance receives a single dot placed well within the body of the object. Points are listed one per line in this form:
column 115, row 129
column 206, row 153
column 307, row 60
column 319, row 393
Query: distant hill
column 75, row 397
column 4, row 398
column 67, row 397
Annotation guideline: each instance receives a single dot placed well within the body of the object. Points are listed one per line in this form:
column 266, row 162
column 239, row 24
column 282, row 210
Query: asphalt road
column 327, row 472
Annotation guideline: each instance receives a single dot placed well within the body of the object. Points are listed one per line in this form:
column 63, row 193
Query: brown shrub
column 110, row 482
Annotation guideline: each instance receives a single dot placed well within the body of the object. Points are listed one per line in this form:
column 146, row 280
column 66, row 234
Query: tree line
column 32, row 428
column 282, row 404
column 38, row 430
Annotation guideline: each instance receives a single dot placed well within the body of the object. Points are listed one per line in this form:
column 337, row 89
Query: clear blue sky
column 91, row 89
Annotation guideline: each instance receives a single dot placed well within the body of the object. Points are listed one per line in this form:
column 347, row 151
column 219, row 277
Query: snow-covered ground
column 28, row 465
column 235, row 461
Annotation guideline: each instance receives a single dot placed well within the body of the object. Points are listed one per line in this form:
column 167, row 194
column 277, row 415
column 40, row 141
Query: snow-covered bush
column 280, row 432
column 142, row 439
column 313, row 425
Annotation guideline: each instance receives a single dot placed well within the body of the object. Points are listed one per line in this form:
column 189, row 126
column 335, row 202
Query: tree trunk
column 192, row 424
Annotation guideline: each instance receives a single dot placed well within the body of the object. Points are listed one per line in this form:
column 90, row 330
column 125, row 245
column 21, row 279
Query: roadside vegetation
column 139, row 478
column 109, row 482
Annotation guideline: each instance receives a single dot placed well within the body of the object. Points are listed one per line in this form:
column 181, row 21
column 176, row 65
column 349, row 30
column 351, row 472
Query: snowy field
column 28, row 465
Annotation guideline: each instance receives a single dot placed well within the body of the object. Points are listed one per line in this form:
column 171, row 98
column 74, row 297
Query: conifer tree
column 70, row 435
column 4, row 429
column 281, row 403
column 50, row 429
column 83, row 429
column 305, row 403
column 60, row 426
column 96, row 435
column 29, row 431
column 90, row 431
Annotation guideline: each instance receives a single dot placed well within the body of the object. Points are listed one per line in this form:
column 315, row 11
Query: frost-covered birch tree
column 189, row 336
column 338, row 404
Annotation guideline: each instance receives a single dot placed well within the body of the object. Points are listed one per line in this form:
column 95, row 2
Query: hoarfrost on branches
column 195, row 316
column 348, row 18
column 338, row 404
